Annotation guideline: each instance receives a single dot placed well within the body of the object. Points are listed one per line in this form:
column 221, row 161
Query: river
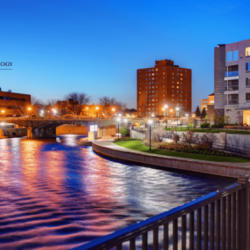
column 61, row 195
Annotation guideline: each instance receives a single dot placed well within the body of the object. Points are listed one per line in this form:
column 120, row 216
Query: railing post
column 243, row 213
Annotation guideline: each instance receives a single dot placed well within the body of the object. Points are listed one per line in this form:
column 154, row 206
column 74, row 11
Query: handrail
column 135, row 230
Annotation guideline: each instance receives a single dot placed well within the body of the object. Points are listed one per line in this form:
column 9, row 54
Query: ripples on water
column 58, row 196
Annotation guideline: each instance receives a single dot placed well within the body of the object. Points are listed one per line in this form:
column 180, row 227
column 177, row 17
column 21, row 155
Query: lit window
column 156, row 69
column 177, row 87
column 172, row 100
column 163, row 73
column 153, row 74
column 172, row 86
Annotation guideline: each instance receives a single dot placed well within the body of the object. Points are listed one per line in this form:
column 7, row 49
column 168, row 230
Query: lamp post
column 177, row 114
column 113, row 110
column 96, row 111
column 166, row 108
column 2, row 111
column 29, row 109
column 118, row 121
column 150, row 122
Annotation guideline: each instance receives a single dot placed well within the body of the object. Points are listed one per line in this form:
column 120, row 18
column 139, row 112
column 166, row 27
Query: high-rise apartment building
column 164, row 84
column 232, row 81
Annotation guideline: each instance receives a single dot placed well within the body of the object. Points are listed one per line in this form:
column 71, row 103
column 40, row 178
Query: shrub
column 205, row 125
column 189, row 137
column 212, row 153
column 190, row 125
column 175, row 136
column 205, row 152
column 124, row 131
column 209, row 139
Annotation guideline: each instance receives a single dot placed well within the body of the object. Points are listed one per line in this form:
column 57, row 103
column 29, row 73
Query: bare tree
column 209, row 139
column 189, row 137
column 81, row 98
column 158, row 133
column 175, row 136
column 76, row 101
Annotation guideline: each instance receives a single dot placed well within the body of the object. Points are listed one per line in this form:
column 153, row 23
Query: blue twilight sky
column 95, row 46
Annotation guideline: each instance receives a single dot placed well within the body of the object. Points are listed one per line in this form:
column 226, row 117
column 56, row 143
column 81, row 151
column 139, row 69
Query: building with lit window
column 163, row 88
column 14, row 104
column 232, row 81
column 206, row 102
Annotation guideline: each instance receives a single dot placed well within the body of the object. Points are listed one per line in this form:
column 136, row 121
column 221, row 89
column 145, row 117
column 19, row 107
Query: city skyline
column 59, row 47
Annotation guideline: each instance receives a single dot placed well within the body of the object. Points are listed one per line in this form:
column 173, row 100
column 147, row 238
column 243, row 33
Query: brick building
column 164, row 84
column 14, row 104
column 206, row 102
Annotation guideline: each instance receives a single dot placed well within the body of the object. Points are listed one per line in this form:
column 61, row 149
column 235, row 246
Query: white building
column 232, row 81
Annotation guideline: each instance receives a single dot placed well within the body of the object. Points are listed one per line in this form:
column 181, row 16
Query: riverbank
column 225, row 169
column 139, row 146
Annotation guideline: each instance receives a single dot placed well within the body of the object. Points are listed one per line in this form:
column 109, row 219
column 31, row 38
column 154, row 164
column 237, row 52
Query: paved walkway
column 109, row 144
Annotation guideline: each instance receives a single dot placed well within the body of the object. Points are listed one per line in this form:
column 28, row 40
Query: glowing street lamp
column 2, row 111
column 118, row 119
column 96, row 111
column 125, row 120
column 29, row 109
column 177, row 114
column 150, row 122
column 166, row 108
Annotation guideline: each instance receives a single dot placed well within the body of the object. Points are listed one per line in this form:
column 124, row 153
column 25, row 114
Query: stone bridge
column 46, row 127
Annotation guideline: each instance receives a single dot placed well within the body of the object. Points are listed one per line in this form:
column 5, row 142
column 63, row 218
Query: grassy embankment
column 213, row 130
column 139, row 146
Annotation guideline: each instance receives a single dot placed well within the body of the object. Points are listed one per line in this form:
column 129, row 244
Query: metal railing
column 219, row 220
column 232, row 88
column 233, row 101
column 231, row 73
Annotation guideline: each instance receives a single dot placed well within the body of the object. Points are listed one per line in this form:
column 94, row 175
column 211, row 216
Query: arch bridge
column 46, row 127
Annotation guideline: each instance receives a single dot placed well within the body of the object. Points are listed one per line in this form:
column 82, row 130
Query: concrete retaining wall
column 136, row 135
column 12, row 132
column 241, row 142
column 203, row 167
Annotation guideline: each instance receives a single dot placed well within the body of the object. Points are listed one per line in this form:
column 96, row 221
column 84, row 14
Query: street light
column 2, row 111
column 150, row 122
column 96, row 111
column 29, row 108
column 118, row 120
column 166, row 108
column 177, row 114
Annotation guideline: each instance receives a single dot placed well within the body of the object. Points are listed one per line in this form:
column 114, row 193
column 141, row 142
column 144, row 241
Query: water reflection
column 58, row 196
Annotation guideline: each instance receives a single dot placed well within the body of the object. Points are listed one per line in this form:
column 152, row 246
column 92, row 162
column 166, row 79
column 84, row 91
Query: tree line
column 75, row 102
